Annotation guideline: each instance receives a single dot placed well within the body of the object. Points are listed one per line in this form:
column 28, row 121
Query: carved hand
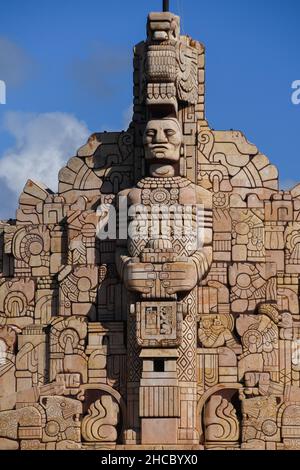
column 180, row 276
column 139, row 277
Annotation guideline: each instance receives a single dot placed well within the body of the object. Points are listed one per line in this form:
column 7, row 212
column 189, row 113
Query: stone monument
column 154, row 337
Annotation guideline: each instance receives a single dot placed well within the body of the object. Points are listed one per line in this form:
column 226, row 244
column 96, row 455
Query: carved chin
column 162, row 170
column 163, row 156
column 160, row 154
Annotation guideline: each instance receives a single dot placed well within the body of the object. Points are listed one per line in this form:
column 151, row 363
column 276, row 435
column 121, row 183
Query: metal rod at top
column 166, row 5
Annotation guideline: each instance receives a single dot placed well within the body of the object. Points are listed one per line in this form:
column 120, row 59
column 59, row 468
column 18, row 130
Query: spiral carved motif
column 101, row 420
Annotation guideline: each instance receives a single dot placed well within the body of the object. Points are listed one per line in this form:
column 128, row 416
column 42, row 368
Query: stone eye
column 170, row 132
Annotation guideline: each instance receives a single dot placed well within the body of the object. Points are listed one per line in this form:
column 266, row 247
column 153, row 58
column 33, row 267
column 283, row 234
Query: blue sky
column 67, row 67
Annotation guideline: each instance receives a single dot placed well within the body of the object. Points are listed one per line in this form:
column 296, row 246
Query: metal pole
column 166, row 5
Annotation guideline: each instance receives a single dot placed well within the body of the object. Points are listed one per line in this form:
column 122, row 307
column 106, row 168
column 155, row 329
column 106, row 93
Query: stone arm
column 202, row 260
column 122, row 258
column 204, row 256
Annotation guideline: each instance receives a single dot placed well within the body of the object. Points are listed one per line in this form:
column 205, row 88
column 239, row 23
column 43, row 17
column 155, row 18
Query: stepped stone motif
column 121, row 327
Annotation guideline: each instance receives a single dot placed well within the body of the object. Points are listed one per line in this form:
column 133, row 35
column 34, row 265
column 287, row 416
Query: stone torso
column 170, row 206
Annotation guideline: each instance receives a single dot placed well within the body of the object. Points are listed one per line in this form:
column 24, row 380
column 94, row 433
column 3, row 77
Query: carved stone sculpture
column 153, row 301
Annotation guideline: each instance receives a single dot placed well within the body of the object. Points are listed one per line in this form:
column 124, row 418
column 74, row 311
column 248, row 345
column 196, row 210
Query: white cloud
column 43, row 144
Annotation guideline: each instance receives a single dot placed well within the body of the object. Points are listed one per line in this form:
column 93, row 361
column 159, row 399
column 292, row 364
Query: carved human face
column 164, row 26
column 206, row 322
column 162, row 140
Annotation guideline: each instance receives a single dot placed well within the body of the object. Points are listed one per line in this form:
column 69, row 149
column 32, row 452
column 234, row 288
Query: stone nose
column 160, row 136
